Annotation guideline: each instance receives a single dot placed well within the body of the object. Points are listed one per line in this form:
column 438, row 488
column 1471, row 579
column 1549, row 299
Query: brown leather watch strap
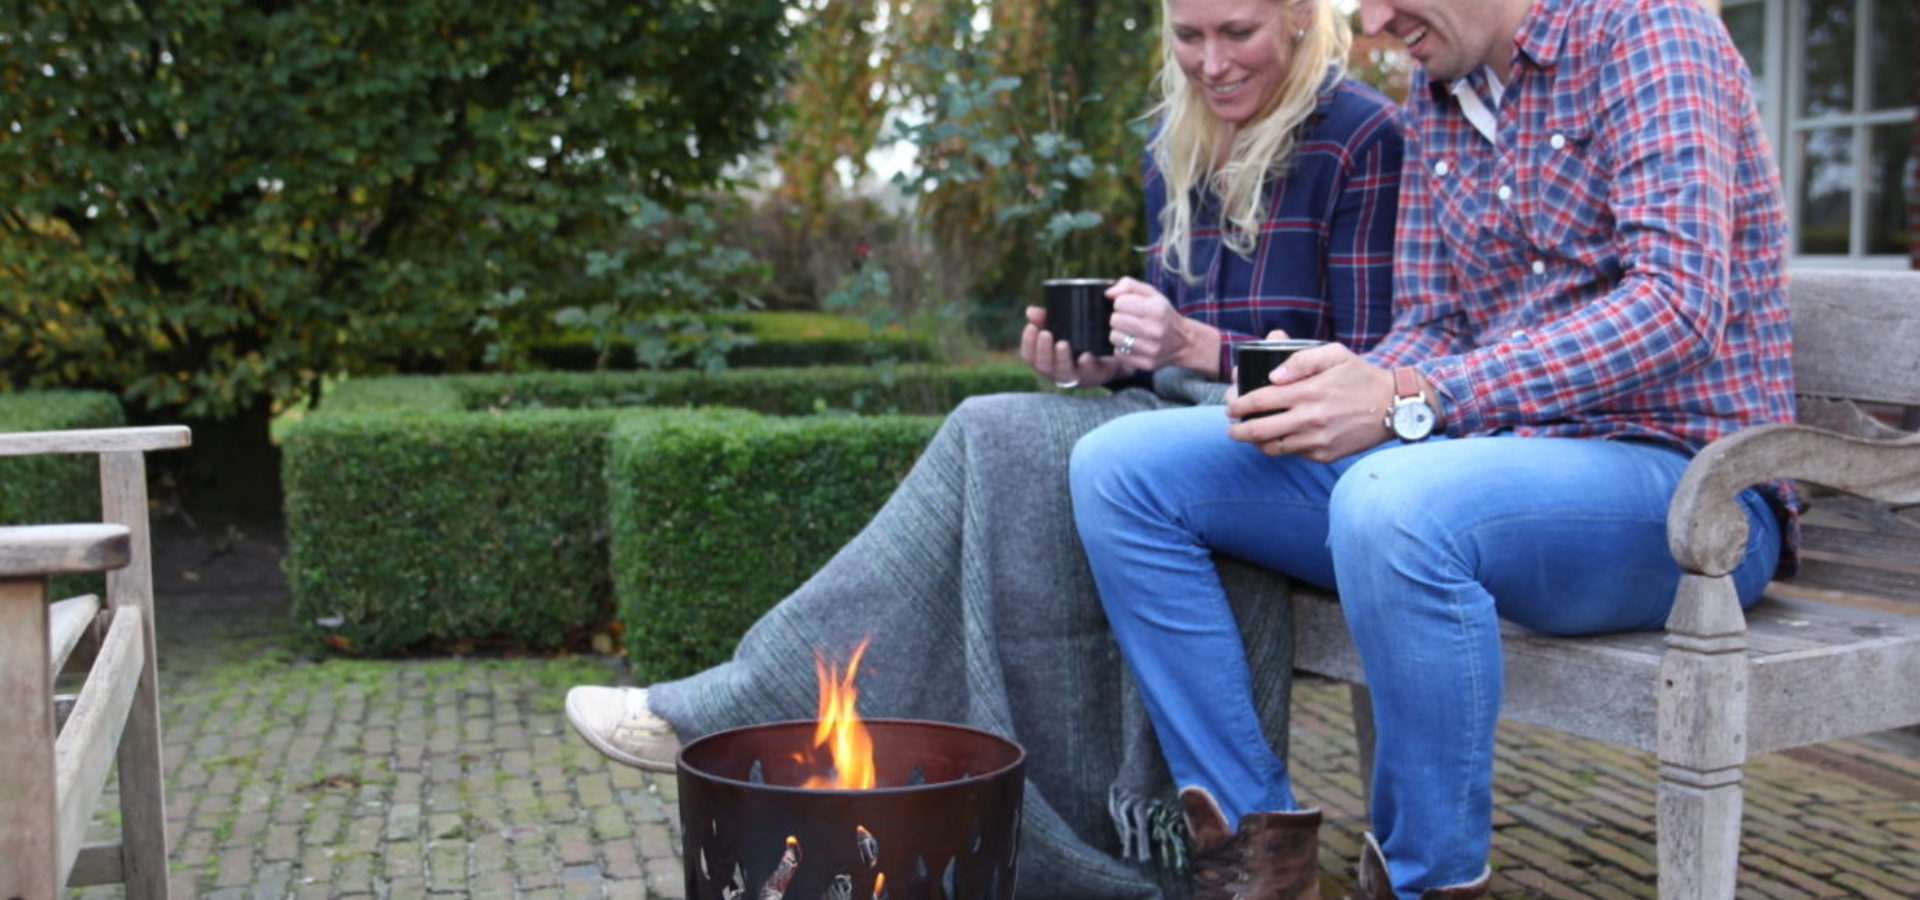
column 1404, row 383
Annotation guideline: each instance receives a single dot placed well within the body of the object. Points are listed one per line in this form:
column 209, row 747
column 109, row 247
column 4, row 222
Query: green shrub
column 466, row 508
column 416, row 526
column 714, row 518
column 776, row 340
column 40, row 489
column 914, row 390
column 66, row 488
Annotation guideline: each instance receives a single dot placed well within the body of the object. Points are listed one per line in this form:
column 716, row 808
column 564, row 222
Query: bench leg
column 143, row 800
column 1361, row 700
column 29, row 846
column 1698, row 833
column 1704, row 679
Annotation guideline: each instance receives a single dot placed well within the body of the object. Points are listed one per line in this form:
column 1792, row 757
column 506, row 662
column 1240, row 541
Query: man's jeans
column 1429, row 545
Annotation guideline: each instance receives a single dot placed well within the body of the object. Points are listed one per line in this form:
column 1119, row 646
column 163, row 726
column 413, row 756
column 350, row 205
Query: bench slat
column 1604, row 687
column 67, row 623
column 1842, row 317
column 87, row 745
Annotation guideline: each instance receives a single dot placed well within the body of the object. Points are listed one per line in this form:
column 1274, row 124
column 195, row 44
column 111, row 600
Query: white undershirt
column 1476, row 109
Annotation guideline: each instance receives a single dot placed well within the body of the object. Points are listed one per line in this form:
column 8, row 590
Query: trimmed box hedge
column 43, row 489
column 37, row 490
column 454, row 510
column 778, row 339
column 415, row 527
column 717, row 517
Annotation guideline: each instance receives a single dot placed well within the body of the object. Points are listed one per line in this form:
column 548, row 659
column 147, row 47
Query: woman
column 1271, row 184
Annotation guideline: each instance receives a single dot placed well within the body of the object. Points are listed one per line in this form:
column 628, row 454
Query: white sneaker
column 617, row 722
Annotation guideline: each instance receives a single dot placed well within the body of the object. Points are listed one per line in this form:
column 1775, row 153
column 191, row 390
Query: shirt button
column 1539, row 267
column 1558, row 141
column 1519, row 335
column 1505, row 192
column 1441, row 168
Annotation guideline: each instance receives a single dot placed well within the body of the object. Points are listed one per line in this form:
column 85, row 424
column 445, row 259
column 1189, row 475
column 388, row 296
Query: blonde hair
column 1190, row 138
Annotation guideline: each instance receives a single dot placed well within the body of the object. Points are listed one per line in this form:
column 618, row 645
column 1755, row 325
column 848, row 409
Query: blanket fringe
column 1151, row 830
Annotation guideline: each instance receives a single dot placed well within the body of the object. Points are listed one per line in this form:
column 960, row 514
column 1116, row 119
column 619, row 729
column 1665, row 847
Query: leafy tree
column 212, row 205
column 1024, row 116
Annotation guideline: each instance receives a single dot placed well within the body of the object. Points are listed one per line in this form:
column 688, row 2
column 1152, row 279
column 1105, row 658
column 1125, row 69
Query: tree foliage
column 1023, row 115
column 212, row 204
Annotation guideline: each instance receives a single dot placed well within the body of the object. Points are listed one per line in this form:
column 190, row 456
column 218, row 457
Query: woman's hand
column 1148, row 333
column 1330, row 402
column 1053, row 359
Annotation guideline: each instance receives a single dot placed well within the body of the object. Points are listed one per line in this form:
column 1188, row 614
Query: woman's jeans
column 1429, row 546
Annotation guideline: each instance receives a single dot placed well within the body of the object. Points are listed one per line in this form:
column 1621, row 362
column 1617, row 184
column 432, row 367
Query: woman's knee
column 1124, row 456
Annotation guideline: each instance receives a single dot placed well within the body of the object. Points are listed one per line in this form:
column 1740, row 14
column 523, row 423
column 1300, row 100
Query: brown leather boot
column 1271, row 857
column 1375, row 885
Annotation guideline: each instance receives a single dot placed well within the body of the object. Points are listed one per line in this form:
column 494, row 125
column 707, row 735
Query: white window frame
column 1780, row 106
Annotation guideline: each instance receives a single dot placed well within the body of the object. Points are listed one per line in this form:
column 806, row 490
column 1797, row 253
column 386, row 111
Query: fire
column 839, row 728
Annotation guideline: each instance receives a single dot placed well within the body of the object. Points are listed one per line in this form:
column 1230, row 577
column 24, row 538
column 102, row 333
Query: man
column 1589, row 288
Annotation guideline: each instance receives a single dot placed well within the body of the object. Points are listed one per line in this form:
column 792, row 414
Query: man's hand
column 1331, row 404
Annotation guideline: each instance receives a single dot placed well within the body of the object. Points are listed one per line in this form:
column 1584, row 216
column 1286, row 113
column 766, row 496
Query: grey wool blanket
column 972, row 583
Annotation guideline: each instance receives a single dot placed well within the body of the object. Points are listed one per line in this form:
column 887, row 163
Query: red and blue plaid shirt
column 1610, row 264
column 1323, row 264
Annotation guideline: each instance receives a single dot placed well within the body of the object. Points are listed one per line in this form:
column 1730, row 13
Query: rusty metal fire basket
column 943, row 822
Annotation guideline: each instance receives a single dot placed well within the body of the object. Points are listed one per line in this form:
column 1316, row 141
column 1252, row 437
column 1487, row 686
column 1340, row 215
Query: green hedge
column 41, row 489
column 912, row 390
column 778, row 339
column 469, row 508
column 66, row 488
column 716, row 518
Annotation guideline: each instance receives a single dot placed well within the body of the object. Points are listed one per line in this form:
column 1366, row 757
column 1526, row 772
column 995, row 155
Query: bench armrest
column 1706, row 528
column 95, row 440
column 34, row 551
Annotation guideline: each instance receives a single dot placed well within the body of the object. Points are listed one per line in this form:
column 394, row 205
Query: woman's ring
column 1126, row 345
column 1067, row 385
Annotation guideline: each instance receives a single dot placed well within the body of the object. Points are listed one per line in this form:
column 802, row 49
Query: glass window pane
column 1747, row 22
column 1893, row 184
column 1827, row 84
column 1826, row 190
column 1896, row 34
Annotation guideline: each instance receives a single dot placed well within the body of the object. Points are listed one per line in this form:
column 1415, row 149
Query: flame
column 839, row 728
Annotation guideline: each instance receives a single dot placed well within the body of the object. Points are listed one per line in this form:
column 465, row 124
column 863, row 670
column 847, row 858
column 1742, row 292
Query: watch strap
column 1404, row 383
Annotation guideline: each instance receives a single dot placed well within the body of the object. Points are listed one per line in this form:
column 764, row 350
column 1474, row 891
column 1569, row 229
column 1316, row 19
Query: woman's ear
column 1304, row 12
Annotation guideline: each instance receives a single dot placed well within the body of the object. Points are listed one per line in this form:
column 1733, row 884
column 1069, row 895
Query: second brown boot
column 1270, row 856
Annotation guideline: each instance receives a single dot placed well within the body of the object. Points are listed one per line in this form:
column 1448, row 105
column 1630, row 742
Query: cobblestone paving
column 448, row 778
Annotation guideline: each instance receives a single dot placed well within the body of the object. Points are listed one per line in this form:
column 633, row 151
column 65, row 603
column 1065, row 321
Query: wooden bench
column 1832, row 653
column 56, row 752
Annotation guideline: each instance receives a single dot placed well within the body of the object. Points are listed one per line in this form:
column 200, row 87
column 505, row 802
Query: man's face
column 1449, row 38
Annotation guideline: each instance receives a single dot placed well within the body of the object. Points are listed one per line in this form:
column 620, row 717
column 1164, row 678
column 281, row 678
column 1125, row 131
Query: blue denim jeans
column 1429, row 545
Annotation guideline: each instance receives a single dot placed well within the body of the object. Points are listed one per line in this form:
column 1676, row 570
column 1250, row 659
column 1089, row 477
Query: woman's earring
column 1299, row 35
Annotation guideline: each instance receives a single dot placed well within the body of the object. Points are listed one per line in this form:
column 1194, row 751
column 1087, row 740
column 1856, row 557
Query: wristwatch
column 1411, row 417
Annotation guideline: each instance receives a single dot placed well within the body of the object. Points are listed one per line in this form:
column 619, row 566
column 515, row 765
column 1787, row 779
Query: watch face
column 1412, row 421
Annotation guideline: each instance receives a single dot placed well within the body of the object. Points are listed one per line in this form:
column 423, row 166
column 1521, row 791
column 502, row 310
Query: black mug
column 1079, row 313
column 1254, row 362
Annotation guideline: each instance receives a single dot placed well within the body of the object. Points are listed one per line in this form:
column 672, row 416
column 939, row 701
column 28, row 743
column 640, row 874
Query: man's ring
column 1067, row 385
column 1126, row 345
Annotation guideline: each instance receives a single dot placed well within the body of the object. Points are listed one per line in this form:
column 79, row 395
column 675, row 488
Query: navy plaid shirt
column 1323, row 264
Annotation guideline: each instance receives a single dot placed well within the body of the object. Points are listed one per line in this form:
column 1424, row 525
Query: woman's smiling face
column 1236, row 53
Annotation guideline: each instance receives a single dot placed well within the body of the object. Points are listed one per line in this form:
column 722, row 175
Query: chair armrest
column 31, row 551
column 95, row 440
